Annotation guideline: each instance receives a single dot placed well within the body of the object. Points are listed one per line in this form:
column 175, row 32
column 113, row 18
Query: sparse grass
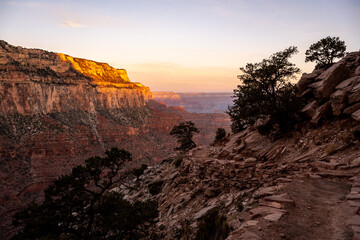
column 331, row 149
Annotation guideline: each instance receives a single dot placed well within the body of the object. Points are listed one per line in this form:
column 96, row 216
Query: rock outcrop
column 332, row 92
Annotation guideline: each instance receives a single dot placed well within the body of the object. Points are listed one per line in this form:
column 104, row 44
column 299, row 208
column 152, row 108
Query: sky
column 179, row 45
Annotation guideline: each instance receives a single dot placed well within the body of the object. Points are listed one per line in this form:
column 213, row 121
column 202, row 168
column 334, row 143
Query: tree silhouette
column 184, row 133
column 325, row 51
column 80, row 205
column 265, row 91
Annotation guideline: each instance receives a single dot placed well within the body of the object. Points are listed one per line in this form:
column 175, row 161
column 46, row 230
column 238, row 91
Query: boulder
column 282, row 198
column 356, row 115
column 309, row 110
column 348, row 82
column 264, row 210
column 355, row 162
column 250, row 160
column 321, row 112
column 332, row 77
column 211, row 192
column 264, row 191
column 354, row 95
column 357, row 71
column 274, row 217
column 234, row 224
column 352, row 108
column 203, row 212
column 304, row 82
column 338, row 101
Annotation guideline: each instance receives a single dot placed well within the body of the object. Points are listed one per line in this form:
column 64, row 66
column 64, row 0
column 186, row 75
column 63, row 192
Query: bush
column 184, row 133
column 139, row 171
column 80, row 205
column 213, row 227
column 155, row 187
column 265, row 91
column 178, row 160
column 220, row 134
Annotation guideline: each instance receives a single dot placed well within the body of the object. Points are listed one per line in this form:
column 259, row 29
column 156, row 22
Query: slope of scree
column 303, row 186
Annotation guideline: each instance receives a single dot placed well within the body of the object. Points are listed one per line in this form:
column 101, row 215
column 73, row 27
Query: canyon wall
column 56, row 111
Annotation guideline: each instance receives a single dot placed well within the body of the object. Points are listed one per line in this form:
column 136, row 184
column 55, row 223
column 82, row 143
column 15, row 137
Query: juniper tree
column 265, row 90
column 325, row 51
column 184, row 133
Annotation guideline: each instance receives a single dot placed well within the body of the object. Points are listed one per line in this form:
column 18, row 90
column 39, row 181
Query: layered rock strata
column 56, row 111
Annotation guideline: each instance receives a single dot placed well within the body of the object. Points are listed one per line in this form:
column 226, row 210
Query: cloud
column 72, row 24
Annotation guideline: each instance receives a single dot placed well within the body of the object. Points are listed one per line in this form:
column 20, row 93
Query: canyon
column 57, row 110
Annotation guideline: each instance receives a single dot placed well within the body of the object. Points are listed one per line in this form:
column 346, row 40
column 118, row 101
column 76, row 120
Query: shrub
column 213, row 227
column 220, row 134
column 178, row 160
column 184, row 133
column 155, row 187
column 80, row 205
column 139, row 171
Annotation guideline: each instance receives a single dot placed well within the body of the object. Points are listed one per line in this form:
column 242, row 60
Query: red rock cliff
column 56, row 111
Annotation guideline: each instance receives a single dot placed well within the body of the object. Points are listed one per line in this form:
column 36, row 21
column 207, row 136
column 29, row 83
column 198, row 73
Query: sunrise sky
column 179, row 45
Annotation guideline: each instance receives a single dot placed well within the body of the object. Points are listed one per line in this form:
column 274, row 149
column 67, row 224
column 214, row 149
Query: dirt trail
column 320, row 212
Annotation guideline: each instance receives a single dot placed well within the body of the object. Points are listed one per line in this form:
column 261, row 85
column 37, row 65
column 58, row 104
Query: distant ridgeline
column 196, row 102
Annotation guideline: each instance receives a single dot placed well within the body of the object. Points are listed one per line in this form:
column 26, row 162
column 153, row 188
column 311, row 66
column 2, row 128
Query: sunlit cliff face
column 101, row 73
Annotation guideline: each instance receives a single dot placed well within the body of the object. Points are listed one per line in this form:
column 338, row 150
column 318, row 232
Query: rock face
column 333, row 91
column 56, row 111
column 34, row 81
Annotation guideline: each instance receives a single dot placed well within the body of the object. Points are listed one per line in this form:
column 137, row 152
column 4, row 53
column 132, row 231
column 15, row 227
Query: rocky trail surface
column 286, row 193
